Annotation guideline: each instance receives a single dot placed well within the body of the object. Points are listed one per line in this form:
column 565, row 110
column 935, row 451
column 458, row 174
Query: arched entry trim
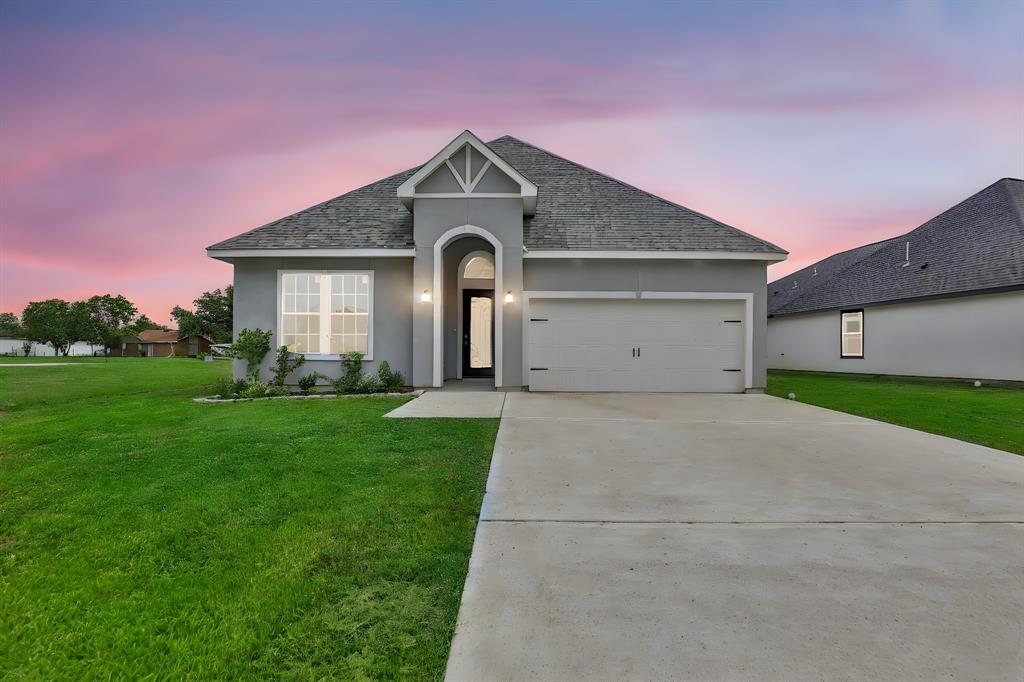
column 443, row 241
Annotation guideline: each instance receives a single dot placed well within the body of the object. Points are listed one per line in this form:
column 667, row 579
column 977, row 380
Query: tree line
column 104, row 320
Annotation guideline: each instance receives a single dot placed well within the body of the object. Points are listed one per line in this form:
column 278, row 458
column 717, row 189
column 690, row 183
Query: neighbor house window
column 327, row 313
column 852, row 333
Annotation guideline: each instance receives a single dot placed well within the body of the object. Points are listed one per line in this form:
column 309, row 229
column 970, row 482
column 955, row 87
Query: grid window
column 326, row 312
column 852, row 334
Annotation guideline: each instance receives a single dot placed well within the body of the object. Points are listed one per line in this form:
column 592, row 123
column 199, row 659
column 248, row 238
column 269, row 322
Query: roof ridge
column 641, row 190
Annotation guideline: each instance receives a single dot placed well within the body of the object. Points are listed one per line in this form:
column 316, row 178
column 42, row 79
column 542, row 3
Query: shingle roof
column 974, row 246
column 158, row 336
column 577, row 208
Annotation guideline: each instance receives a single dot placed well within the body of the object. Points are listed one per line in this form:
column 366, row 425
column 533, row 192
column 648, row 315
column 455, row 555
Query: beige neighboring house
column 157, row 343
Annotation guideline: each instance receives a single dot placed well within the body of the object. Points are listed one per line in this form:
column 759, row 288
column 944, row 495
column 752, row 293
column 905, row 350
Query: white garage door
column 636, row 345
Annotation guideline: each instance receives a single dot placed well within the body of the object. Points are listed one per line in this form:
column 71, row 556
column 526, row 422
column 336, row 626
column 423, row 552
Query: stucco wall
column 255, row 306
column 584, row 274
column 971, row 337
column 504, row 219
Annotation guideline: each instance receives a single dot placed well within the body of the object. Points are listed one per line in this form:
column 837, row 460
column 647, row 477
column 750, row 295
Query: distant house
column 156, row 343
column 944, row 300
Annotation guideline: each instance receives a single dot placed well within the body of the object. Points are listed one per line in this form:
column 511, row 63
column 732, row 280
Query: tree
column 50, row 321
column 111, row 316
column 10, row 326
column 141, row 324
column 212, row 316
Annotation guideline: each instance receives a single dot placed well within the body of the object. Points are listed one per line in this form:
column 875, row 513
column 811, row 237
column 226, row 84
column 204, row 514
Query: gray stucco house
column 505, row 261
column 944, row 300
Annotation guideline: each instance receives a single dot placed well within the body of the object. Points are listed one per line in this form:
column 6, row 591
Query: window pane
column 362, row 284
column 360, row 343
column 362, row 303
column 479, row 268
column 852, row 344
column 314, row 324
column 361, row 323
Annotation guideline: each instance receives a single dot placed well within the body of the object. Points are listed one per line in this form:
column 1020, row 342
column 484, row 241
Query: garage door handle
column 634, row 351
column 732, row 370
column 733, row 321
column 538, row 319
column 538, row 369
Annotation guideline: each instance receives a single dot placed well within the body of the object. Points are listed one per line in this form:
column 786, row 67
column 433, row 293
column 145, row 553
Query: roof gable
column 466, row 160
column 974, row 246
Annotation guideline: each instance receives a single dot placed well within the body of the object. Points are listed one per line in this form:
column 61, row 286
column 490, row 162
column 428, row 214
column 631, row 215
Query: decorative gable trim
column 468, row 180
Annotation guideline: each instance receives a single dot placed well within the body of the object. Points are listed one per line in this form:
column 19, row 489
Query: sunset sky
column 134, row 135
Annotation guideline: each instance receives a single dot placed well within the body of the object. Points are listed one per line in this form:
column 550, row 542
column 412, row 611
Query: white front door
column 636, row 345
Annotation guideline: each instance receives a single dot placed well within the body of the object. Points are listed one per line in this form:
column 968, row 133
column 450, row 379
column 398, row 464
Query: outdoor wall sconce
column 508, row 297
column 425, row 296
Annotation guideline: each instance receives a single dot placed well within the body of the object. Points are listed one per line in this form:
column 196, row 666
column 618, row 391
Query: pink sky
column 134, row 136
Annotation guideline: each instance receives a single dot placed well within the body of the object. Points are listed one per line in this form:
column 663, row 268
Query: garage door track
column 739, row 537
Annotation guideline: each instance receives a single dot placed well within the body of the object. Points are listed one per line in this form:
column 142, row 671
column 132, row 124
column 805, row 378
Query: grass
column 146, row 536
column 990, row 415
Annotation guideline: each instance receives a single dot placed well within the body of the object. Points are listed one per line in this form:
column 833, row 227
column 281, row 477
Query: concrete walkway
column 433, row 404
column 739, row 538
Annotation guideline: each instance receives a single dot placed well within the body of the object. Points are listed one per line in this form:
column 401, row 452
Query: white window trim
column 748, row 316
column 279, row 319
column 470, row 283
column 843, row 334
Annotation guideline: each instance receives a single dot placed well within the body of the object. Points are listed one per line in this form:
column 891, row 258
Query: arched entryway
column 467, row 313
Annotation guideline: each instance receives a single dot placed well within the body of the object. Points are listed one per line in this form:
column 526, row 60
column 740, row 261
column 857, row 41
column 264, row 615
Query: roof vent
column 794, row 284
column 815, row 273
column 924, row 266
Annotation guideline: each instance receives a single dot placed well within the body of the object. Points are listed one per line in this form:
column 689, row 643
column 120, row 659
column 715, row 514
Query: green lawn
column 990, row 415
column 146, row 536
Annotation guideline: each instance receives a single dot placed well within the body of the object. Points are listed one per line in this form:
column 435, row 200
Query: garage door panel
column 684, row 345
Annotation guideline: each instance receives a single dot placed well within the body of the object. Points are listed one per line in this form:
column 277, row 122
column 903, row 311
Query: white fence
column 39, row 350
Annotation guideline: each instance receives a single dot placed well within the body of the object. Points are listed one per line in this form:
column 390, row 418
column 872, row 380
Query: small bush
column 238, row 386
column 277, row 390
column 353, row 373
column 26, row 348
column 368, row 384
column 389, row 381
column 308, row 382
column 252, row 345
column 253, row 389
column 225, row 388
column 285, row 364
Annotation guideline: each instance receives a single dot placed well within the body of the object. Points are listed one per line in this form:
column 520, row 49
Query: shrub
column 389, row 381
column 26, row 348
column 308, row 382
column 285, row 364
column 252, row 345
column 277, row 390
column 225, row 388
column 368, row 384
column 253, row 389
column 238, row 386
column 353, row 374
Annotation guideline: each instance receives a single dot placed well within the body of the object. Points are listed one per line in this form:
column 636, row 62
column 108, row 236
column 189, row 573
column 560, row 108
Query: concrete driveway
column 742, row 537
